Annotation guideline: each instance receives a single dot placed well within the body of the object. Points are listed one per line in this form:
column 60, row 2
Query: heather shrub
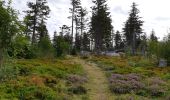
column 50, row 81
column 156, row 81
column 76, row 84
column 156, row 90
column 156, row 87
column 123, row 84
column 76, row 79
column 77, row 90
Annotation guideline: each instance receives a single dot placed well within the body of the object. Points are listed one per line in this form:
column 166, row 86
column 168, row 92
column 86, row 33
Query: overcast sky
column 155, row 13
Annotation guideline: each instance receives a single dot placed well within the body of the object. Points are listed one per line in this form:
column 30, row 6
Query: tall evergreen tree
column 118, row 40
column 133, row 29
column 101, row 28
column 37, row 12
column 42, row 31
column 143, row 44
column 83, row 22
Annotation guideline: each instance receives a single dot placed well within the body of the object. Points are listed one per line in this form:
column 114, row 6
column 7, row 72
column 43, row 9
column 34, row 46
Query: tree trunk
column 72, row 35
column 1, row 57
column 34, row 27
column 134, row 44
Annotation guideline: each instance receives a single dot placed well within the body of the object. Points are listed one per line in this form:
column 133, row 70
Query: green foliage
column 133, row 29
column 61, row 46
column 9, row 26
column 21, row 48
column 8, row 72
column 164, row 51
column 153, row 48
column 35, row 20
column 101, row 28
column 45, row 48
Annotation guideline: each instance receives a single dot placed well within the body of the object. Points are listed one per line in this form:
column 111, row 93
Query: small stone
column 162, row 63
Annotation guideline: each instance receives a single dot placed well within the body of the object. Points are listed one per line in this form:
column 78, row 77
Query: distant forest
column 29, row 38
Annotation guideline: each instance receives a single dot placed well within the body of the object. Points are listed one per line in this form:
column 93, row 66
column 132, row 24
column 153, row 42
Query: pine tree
column 133, row 29
column 37, row 12
column 101, row 28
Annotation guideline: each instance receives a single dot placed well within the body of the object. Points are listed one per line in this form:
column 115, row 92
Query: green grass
column 44, row 79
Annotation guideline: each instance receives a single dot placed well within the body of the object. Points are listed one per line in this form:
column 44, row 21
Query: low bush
column 156, row 87
column 8, row 72
column 78, row 90
column 123, row 84
column 76, row 79
column 156, row 90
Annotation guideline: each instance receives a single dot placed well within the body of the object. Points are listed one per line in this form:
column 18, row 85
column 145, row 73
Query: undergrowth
column 41, row 79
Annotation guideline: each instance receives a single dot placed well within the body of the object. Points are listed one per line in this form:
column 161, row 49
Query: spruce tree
column 101, row 28
column 133, row 29
column 118, row 40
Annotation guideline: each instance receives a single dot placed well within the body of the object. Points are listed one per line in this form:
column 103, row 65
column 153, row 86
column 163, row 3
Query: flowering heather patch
column 76, row 79
column 123, row 84
column 156, row 81
column 156, row 90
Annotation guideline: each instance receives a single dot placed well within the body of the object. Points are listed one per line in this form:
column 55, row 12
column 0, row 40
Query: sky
column 154, row 13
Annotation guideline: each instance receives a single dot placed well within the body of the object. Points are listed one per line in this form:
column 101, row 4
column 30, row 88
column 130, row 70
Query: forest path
column 97, row 84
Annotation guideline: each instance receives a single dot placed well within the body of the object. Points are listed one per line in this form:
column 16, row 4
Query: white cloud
column 154, row 12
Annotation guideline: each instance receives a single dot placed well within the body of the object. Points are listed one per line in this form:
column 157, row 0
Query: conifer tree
column 37, row 13
column 118, row 40
column 101, row 28
column 133, row 29
column 153, row 36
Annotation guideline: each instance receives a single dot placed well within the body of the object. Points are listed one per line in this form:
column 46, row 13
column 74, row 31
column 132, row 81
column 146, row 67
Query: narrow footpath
column 97, row 84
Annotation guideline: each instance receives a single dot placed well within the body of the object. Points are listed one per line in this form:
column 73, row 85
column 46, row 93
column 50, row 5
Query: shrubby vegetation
column 42, row 79
column 134, row 77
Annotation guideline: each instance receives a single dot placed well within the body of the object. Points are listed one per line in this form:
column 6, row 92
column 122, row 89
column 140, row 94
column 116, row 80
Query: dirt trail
column 97, row 85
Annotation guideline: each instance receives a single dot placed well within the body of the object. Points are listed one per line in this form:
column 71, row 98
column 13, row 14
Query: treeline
column 30, row 38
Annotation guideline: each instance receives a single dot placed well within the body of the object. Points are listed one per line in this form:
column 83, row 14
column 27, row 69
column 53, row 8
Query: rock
column 112, row 53
column 85, row 53
column 162, row 63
